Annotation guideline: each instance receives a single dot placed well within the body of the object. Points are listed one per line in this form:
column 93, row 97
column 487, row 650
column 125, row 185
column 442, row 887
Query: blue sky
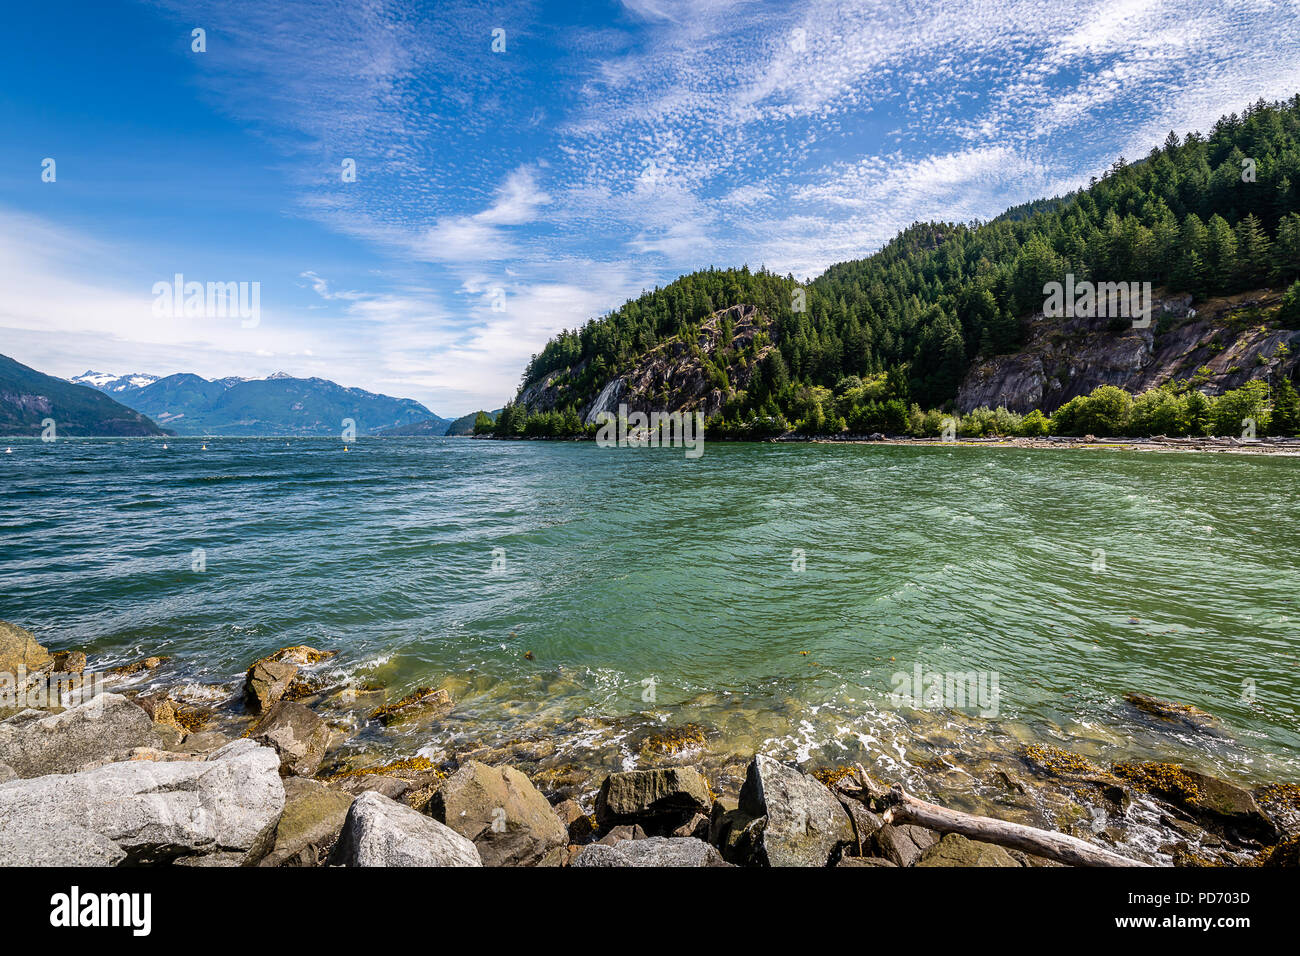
column 502, row 196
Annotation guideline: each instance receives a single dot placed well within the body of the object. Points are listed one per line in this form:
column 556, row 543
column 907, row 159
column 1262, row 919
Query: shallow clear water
column 622, row 565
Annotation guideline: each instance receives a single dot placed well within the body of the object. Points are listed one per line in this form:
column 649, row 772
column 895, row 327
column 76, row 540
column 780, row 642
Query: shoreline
column 288, row 711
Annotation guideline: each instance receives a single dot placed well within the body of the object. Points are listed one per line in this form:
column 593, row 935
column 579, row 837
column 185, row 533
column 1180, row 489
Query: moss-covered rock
column 956, row 850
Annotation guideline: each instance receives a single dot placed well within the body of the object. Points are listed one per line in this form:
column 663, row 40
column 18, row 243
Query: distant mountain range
column 28, row 399
column 437, row 428
column 276, row 405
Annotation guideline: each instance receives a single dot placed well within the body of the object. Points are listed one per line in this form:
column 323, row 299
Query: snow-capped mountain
column 109, row 383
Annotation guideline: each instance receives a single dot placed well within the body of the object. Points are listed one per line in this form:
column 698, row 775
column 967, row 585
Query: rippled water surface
column 1074, row 576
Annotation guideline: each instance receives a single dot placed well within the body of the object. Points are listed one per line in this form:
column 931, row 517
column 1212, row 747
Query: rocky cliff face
column 673, row 376
column 1233, row 338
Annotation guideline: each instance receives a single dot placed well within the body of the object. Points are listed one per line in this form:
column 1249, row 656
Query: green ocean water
column 1071, row 576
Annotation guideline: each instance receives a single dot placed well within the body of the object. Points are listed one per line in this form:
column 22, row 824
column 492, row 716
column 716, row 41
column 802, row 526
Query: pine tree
column 1252, row 253
column 1286, row 409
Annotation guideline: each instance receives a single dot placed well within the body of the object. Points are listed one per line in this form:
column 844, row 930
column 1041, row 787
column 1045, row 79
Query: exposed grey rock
column 382, row 832
column 672, row 794
column 509, row 819
column 652, row 851
column 903, row 844
column 392, row 787
column 24, row 843
column 107, row 727
column 266, row 683
column 297, row 735
column 7, row 773
column 805, row 826
column 19, row 649
column 155, row 811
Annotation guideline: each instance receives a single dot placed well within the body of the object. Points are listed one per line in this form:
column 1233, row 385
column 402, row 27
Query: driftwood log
column 902, row 808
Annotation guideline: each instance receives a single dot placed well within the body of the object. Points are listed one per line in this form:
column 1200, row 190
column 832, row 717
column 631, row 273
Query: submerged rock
column 422, row 702
column 1170, row 712
column 153, row 811
column 137, row 667
column 1216, row 805
column 105, row 728
column 382, row 832
column 652, row 851
column 509, row 819
column 805, row 824
column 297, row 735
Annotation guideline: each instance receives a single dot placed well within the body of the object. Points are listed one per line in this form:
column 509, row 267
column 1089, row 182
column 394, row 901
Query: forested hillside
column 1206, row 215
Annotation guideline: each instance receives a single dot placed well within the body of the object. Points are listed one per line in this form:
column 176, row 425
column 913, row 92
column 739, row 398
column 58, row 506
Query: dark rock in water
column 1183, row 716
column 956, row 850
column 1280, row 802
column 266, row 683
column 19, row 649
column 153, row 811
column 297, row 735
column 423, row 702
column 1284, row 854
column 1216, row 805
column 509, row 819
column 105, row 728
column 299, row 654
column 903, row 844
column 382, row 832
column 309, row 825
column 138, row 667
column 672, row 795
column 652, row 851
column 69, row 662
column 624, row 831
column 805, row 824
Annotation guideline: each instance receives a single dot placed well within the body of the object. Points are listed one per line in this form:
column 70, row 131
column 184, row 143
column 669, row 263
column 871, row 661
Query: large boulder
column 309, row 825
column 29, row 844
column 657, row 799
column 297, row 735
column 18, row 649
column 154, row 811
column 652, row 851
column 382, row 832
column 805, row 824
column 955, row 850
column 105, row 728
column 266, row 683
column 509, row 819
